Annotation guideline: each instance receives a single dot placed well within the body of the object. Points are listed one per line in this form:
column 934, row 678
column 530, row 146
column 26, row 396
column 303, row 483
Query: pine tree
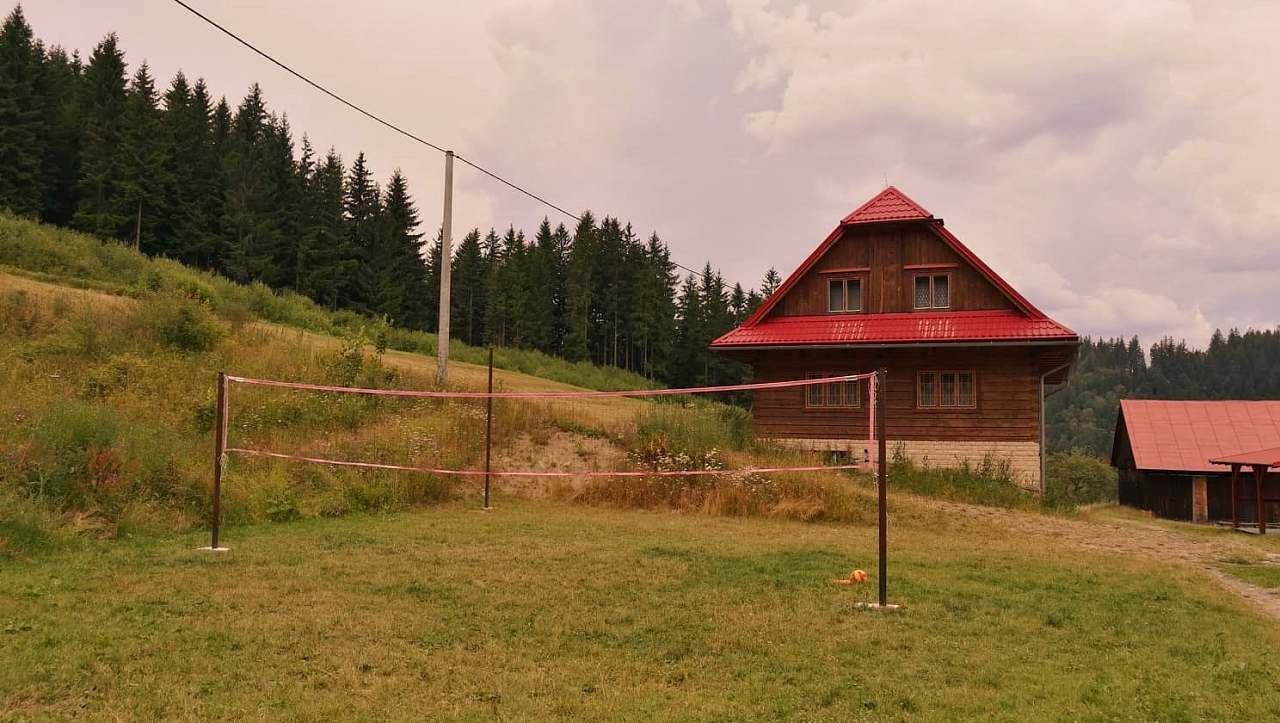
column 282, row 191
column 739, row 307
column 494, row 301
column 432, row 296
column 508, row 292
column 325, row 260
column 400, row 268
column 197, row 190
column 545, row 290
column 652, row 310
column 104, row 102
column 141, row 179
column 771, row 282
column 248, row 219
column 687, row 368
column 60, row 89
column 563, row 243
column 579, row 298
column 468, row 289
column 21, row 121
column 361, row 207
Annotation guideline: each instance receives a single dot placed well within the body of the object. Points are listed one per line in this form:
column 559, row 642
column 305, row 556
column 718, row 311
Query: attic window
column 844, row 295
column 933, row 291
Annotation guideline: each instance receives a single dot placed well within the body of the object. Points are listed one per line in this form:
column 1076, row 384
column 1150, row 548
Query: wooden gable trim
column 1005, row 288
column 936, row 226
column 850, row 270
column 929, row 267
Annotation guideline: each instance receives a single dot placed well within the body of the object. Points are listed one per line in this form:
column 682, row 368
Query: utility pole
column 446, row 262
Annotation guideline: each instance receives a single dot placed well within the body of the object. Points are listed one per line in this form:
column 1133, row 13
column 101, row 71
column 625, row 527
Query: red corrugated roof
column 896, row 328
column 1269, row 457
column 1182, row 436
column 888, row 205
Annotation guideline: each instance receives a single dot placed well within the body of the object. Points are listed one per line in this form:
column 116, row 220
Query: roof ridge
column 891, row 204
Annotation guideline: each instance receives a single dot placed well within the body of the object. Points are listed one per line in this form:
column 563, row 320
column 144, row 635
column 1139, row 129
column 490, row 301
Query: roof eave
column 716, row 346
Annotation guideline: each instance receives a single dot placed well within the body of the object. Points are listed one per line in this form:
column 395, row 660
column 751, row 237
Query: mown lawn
column 538, row 610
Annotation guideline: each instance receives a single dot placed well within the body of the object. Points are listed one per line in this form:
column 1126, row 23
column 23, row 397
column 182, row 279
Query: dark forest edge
column 225, row 191
column 69, row 258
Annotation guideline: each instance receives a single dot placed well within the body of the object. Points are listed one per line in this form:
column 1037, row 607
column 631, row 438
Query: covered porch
column 1258, row 463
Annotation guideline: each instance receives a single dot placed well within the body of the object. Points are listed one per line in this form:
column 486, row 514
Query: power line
column 384, row 122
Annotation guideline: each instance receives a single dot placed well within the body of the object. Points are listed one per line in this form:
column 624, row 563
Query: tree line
column 1235, row 365
column 88, row 145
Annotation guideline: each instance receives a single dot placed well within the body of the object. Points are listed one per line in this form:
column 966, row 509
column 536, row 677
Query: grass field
column 539, row 610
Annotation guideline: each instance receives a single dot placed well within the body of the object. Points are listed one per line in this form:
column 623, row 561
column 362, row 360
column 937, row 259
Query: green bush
column 688, row 434
column 1078, row 478
column 182, row 323
column 18, row 314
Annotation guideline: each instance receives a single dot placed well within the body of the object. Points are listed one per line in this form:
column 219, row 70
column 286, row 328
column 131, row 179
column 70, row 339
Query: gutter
column 902, row 345
column 1044, row 396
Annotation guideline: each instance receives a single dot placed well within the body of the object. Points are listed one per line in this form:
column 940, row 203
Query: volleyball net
column 678, row 435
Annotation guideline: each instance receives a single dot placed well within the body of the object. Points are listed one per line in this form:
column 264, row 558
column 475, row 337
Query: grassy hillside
column 50, row 253
column 109, row 407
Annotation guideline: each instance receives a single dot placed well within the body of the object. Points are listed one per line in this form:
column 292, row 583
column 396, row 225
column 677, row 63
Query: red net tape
column 513, row 473
column 548, row 395
column 565, row 395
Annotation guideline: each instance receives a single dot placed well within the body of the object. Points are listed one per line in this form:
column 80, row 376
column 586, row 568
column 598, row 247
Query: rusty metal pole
column 488, row 431
column 883, row 482
column 219, row 451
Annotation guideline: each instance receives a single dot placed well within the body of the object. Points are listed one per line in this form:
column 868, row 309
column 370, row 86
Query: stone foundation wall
column 1024, row 457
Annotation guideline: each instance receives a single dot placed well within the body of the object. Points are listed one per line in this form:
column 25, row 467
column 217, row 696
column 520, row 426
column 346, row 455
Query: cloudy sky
column 1116, row 160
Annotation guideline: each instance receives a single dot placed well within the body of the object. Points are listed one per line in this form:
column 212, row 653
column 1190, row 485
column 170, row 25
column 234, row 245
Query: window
column 844, row 295
column 841, row 394
column 946, row 390
column 933, row 291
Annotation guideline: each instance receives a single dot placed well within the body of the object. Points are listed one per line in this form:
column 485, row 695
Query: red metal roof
column 1182, row 436
column 896, row 328
column 1266, row 457
column 888, row 205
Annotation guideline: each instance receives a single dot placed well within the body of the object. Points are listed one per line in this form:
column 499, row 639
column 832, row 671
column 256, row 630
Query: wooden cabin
column 968, row 357
column 1175, row 458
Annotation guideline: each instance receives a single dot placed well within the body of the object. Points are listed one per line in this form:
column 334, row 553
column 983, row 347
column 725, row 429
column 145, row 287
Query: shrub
column 182, row 323
column 19, row 315
column 1078, row 478
column 112, row 375
column 690, row 429
column 27, row 527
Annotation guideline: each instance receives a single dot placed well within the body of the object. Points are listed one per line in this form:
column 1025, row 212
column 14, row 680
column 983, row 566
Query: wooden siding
column 1006, row 380
column 886, row 251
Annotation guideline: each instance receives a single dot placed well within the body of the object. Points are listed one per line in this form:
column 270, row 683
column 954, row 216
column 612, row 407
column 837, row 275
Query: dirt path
column 1125, row 532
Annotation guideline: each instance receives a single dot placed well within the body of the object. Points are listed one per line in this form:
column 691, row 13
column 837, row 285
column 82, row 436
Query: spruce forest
column 91, row 145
